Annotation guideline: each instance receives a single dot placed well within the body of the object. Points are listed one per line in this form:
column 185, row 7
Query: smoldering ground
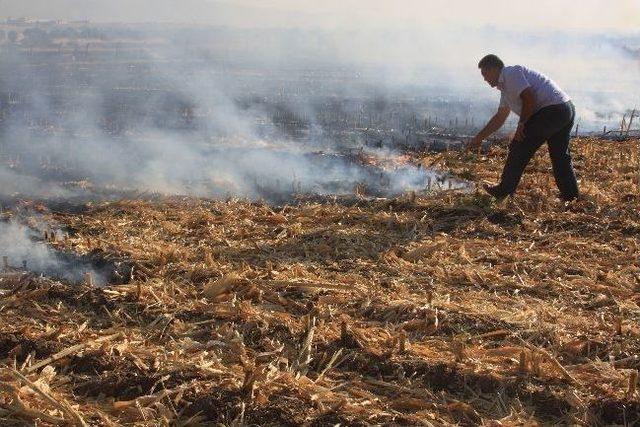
column 23, row 249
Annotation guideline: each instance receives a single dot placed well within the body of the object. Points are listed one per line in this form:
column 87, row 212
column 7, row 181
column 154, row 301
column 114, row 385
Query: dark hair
column 491, row 61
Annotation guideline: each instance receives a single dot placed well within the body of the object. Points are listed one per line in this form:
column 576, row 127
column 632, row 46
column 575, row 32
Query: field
column 429, row 309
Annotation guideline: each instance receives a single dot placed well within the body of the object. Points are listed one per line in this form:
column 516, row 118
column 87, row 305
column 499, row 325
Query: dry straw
column 446, row 309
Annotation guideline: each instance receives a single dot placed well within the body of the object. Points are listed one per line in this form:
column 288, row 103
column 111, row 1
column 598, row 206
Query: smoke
column 131, row 128
column 21, row 247
column 245, row 104
column 206, row 110
column 14, row 183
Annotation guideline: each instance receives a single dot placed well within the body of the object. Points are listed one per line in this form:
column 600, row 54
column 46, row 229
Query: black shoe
column 495, row 191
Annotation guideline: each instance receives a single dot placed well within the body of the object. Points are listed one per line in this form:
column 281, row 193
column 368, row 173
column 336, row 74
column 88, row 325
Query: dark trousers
column 552, row 124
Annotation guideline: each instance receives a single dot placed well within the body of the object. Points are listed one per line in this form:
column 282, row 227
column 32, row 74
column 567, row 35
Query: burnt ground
column 435, row 309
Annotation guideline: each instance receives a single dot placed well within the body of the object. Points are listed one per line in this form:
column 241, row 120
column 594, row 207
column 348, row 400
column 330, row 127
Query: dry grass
column 419, row 311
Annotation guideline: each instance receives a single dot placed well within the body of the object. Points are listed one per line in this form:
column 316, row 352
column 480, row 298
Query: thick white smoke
column 218, row 153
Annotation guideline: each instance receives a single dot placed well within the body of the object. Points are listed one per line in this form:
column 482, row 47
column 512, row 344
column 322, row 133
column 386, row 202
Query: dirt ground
column 440, row 309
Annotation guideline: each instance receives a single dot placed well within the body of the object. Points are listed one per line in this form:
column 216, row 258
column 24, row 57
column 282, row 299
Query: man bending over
column 546, row 115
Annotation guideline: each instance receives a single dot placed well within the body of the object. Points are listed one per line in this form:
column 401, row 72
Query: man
column 546, row 114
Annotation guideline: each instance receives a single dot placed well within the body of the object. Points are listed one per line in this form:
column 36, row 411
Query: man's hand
column 474, row 144
column 492, row 125
column 519, row 135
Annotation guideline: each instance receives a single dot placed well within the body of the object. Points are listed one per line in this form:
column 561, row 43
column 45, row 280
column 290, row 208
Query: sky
column 622, row 15
column 558, row 14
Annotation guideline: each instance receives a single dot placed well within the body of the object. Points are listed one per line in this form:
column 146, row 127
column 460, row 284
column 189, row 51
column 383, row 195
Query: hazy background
column 590, row 47
column 353, row 14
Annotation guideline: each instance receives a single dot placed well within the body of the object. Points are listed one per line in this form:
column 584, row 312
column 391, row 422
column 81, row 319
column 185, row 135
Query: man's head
column 490, row 67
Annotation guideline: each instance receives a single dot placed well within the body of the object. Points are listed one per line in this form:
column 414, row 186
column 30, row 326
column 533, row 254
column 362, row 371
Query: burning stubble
column 22, row 251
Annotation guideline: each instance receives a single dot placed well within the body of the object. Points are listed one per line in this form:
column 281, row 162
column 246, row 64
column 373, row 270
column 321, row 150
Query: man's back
column 516, row 78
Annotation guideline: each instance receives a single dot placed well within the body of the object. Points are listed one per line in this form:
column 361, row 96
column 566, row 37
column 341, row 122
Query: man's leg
column 561, row 161
column 520, row 153
column 543, row 125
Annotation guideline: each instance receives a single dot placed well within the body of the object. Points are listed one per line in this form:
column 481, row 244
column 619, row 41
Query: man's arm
column 528, row 104
column 492, row 125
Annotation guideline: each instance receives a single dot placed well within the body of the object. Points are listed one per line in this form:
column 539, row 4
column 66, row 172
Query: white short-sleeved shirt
column 514, row 79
